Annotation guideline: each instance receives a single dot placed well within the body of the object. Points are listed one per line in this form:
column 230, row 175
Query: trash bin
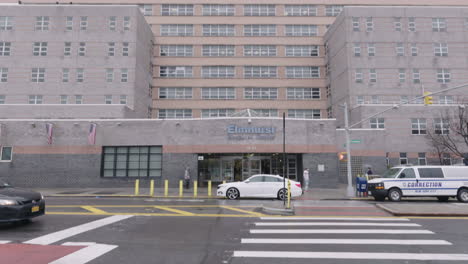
column 361, row 186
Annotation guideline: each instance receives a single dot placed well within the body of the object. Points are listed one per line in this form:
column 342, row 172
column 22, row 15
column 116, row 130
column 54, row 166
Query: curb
column 388, row 210
column 277, row 211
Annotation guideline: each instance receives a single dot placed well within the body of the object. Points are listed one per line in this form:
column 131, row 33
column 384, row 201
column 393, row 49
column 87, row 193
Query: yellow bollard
column 289, row 194
column 224, row 182
column 181, row 190
column 166, row 187
column 152, row 188
column 137, row 187
column 209, row 188
column 195, row 188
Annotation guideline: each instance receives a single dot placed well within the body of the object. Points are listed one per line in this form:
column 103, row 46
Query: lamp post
column 349, row 189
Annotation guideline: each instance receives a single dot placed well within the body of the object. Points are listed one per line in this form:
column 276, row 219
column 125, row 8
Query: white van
column 442, row 182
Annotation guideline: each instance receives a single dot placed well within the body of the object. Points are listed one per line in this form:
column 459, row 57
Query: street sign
column 355, row 141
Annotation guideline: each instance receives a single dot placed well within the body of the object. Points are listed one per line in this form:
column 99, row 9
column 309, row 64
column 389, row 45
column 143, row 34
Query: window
column 259, row 50
column 3, row 75
column 299, row 93
column 259, row 30
column 416, row 76
column 5, row 48
column 302, row 51
column 357, row 49
column 422, row 159
column 260, row 93
column 78, row 99
column 175, row 93
column 218, row 30
column 260, row 72
column 441, row 126
column 397, row 23
column 109, row 75
column 6, row 23
column 38, row 75
column 42, row 23
column 302, row 72
column 360, row 99
column 400, row 49
column 108, row 99
column 304, row 113
column 430, row 173
column 259, row 10
column 377, row 122
column 446, row 160
column 358, row 76
column 174, row 113
column 441, row 49
column 411, row 24
column 83, row 23
column 63, row 99
column 146, row 10
column 301, row 30
column 445, row 99
column 175, row 71
column 176, row 10
column 69, row 23
column 133, row 161
column 82, row 49
column 443, row 75
column 7, row 153
column 300, row 10
column 123, row 99
column 355, row 24
column 67, row 49
column 210, row 113
column 112, row 23
column 125, row 49
column 218, row 50
column 65, row 75
column 176, row 50
column 111, row 49
column 438, row 24
column 369, row 24
column 40, row 49
column 2, row 99
column 124, row 75
column 402, row 75
column 176, row 30
column 126, row 23
column 370, row 49
column 218, row 10
column 35, row 99
column 218, row 71
column 418, row 126
column 372, row 75
column 80, row 75
column 404, row 99
column 333, row 10
column 407, row 173
column 414, row 50
column 403, row 158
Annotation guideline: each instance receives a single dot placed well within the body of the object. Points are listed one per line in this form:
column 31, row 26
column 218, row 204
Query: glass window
column 443, row 75
column 397, row 23
column 411, row 24
column 445, row 99
column 111, row 49
column 123, row 99
column 5, row 48
column 259, row 50
column 112, row 22
column 304, row 113
column 226, row 93
column 108, row 99
column 210, row 113
column 355, row 23
column 300, row 10
column 69, row 23
column 218, row 10
column 65, row 75
column 6, row 23
column 218, row 30
column 146, row 10
column 2, row 99
column 438, row 24
column 83, row 23
column 126, row 23
column 377, row 122
column 259, row 30
column 302, row 72
column 175, row 93
column 414, row 49
column 35, row 99
column 3, row 75
column 38, row 75
column 218, row 50
column 176, row 10
column 357, row 49
column 176, row 50
column 67, row 49
column 372, row 75
column 174, row 113
column 266, row 112
column 78, row 99
column 333, row 10
column 440, row 49
column 175, row 71
column 302, row 51
column 259, row 10
column 124, row 75
column 370, row 49
column 369, row 24
column 430, row 173
column 301, row 30
column 125, row 49
column 132, row 161
column 82, row 49
column 80, row 75
column 422, row 159
column 446, row 159
column 400, row 49
column 358, row 76
column 7, row 153
column 300, row 93
column 260, row 71
column 42, row 23
column 360, row 99
column 418, row 126
column 402, row 75
column 218, row 72
column 109, row 75
column 416, row 76
column 63, row 99
column 176, row 30
column 407, row 173
column 260, row 93
column 375, row 99
column 441, row 126
column 403, row 158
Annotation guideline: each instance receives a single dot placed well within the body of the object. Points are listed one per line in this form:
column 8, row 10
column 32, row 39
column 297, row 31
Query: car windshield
column 391, row 173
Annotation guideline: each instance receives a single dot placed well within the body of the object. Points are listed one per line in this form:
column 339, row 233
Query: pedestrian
column 306, row 179
column 369, row 171
column 187, row 177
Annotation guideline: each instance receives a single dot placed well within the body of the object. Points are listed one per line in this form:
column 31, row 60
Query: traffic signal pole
column 349, row 189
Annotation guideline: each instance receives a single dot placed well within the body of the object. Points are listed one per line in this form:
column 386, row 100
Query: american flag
column 92, row 134
column 49, row 131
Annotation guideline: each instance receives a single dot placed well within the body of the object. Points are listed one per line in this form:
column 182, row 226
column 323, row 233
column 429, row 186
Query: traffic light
column 428, row 98
column 342, row 156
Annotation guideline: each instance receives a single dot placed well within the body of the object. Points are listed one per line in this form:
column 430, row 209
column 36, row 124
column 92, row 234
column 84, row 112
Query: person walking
column 187, row 177
column 369, row 171
column 306, row 179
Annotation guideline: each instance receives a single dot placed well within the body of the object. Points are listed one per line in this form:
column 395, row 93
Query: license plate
column 35, row 209
column 370, row 192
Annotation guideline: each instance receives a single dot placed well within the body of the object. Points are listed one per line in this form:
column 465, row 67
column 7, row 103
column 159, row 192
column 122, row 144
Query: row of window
column 38, row 75
column 229, row 93
column 70, row 23
column 375, row 99
column 132, row 161
column 223, row 30
column 211, row 113
column 68, row 99
column 442, row 76
column 248, row 50
column 249, row 10
column 439, row 24
column 418, row 125
column 440, row 49
column 249, row 72
column 446, row 159
column 41, row 49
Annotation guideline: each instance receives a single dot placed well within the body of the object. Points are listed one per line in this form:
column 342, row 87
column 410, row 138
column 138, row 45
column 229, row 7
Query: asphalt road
column 129, row 230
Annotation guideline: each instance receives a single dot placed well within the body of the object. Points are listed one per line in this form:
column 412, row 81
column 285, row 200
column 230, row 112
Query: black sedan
column 19, row 204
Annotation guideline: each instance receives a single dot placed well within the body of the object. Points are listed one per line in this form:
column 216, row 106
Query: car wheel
column 394, row 195
column 462, row 195
column 379, row 198
column 232, row 194
column 442, row 198
column 282, row 194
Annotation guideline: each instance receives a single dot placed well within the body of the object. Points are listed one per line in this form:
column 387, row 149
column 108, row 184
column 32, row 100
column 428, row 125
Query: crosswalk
column 342, row 238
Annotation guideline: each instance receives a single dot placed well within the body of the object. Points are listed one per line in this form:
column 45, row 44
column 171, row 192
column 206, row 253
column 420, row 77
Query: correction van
column 442, row 182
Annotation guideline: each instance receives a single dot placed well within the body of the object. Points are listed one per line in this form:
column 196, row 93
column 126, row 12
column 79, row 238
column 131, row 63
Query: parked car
column 260, row 185
column 19, row 204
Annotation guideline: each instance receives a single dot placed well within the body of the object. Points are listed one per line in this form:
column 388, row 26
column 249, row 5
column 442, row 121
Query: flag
column 92, row 134
column 49, row 131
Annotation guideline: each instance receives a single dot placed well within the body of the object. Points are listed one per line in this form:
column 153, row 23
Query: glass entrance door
column 251, row 167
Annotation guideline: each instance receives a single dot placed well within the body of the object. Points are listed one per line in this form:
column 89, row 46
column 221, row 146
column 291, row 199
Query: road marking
column 4, row 241
column 173, row 210
column 73, row 231
column 334, row 224
column 339, row 231
column 93, row 209
column 336, row 218
column 242, row 211
column 84, row 255
column 344, row 241
column 349, row 255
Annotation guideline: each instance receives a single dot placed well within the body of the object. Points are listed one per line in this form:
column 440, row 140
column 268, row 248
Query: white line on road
column 84, row 255
column 349, row 255
column 339, row 231
column 334, row 218
column 344, row 241
column 73, row 231
column 4, row 241
column 334, row 224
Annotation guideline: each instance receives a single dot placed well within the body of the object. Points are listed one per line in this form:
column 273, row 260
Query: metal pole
column 284, row 155
column 349, row 189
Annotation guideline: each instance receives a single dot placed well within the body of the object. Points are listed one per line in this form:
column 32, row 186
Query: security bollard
column 137, row 187
column 289, row 194
column 152, row 188
column 209, row 188
column 224, row 182
column 195, row 188
column 181, row 190
column 166, row 187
